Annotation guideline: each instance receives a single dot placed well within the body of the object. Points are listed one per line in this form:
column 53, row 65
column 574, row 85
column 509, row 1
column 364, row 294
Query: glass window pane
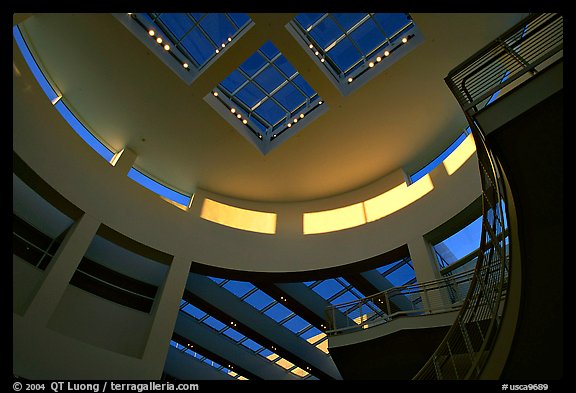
column 326, row 32
column 233, row 81
column 290, row 97
column 391, row 23
column 253, row 64
column 368, row 37
column 270, row 111
column 259, row 300
column 216, row 279
column 304, row 86
column 278, row 312
column 176, row 23
column 344, row 54
column 401, row 275
column 238, row 288
column 217, row 27
column 250, row 95
column 269, row 79
column 196, row 45
column 464, row 241
column 348, row 19
column 310, row 333
column 233, row 334
column 285, row 67
column 251, row 344
column 327, row 288
column 345, row 297
column 296, row 324
column 214, row 323
column 239, row 19
column 307, row 19
column 194, row 311
column 269, row 50
column 266, row 353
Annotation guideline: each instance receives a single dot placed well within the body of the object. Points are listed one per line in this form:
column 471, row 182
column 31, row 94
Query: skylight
column 192, row 39
column 349, row 45
column 266, row 98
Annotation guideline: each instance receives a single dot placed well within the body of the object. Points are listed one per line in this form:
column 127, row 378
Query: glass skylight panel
column 238, row 288
column 266, row 96
column 398, row 273
column 192, row 310
column 214, row 323
column 328, row 288
column 197, row 37
column 233, row 334
column 350, row 44
column 259, row 300
column 296, row 324
column 252, row 345
column 402, row 275
column 312, row 331
column 278, row 312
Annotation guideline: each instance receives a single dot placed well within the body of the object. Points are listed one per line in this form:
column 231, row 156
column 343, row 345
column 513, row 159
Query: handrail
column 511, row 56
column 436, row 296
column 463, row 352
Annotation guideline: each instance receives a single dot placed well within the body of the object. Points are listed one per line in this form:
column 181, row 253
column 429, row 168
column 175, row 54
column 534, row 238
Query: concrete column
column 61, row 269
column 165, row 311
column 426, row 269
column 123, row 161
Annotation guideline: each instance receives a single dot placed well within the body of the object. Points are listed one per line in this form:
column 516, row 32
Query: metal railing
column 442, row 295
column 538, row 38
column 507, row 61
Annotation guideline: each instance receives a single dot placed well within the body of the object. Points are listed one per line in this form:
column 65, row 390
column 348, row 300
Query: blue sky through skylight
column 199, row 37
column 346, row 42
column 268, row 91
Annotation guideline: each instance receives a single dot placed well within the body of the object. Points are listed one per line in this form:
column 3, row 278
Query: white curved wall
column 45, row 141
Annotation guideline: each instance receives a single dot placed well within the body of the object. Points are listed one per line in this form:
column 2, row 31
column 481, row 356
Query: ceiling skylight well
column 266, row 99
column 353, row 47
column 187, row 42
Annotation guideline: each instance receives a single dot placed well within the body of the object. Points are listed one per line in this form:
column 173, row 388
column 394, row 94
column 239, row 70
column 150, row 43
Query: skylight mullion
column 194, row 24
column 177, row 42
column 395, row 267
column 337, row 294
column 268, row 307
column 290, row 79
column 313, row 25
column 201, row 29
column 347, row 34
column 286, row 319
column 378, row 26
column 269, row 96
column 231, row 21
column 250, row 292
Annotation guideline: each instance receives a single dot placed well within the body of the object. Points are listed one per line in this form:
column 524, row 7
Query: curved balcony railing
column 442, row 295
column 500, row 66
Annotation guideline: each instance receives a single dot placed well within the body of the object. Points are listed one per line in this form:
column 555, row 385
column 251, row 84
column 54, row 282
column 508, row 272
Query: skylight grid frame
column 266, row 132
column 281, row 321
column 204, row 359
column 181, row 63
column 218, row 43
column 378, row 58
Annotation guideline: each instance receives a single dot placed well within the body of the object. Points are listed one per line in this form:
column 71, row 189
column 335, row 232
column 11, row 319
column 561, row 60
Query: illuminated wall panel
column 459, row 156
column 235, row 217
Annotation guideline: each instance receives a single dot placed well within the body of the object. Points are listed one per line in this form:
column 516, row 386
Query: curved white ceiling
column 402, row 118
